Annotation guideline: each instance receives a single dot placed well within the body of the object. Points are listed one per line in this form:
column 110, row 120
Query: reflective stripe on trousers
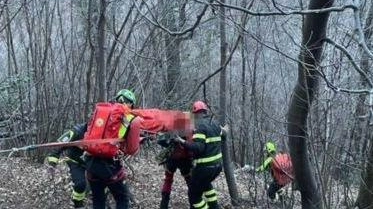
column 78, row 196
column 200, row 205
column 211, row 195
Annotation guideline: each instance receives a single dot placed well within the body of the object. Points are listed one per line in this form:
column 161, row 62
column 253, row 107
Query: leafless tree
column 100, row 53
column 314, row 32
column 227, row 162
column 365, row 196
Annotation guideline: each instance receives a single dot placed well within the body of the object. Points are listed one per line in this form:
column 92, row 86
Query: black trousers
column 185, row 167
column 118, row 189
column 107, row 173
column 77, row 173
column 200, row 186
column 272, row 189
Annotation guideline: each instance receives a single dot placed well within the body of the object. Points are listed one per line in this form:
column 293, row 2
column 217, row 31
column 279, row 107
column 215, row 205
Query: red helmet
column 198, row 106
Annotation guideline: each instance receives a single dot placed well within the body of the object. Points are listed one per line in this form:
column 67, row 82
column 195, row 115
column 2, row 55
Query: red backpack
column 282, row 169
column 105, row 124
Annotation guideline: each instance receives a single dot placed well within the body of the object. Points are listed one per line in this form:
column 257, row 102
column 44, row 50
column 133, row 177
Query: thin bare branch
column 348, row 55
column 359, row 29
column 11, row 18
column 191, row 29
column 202, row 83
column 282, row 13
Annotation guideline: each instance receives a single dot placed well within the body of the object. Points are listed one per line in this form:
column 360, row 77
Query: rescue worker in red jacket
column 175, row 157
column 109, row 172
column 270, row 149
column 276, row 185
column 206, row 148
column 74, row 161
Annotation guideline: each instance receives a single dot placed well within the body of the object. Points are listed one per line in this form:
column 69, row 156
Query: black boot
column 165, row 200
column 78, row 203
column 213, row 205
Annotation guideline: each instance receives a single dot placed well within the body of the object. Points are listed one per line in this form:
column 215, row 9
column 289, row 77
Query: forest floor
column 28, row 185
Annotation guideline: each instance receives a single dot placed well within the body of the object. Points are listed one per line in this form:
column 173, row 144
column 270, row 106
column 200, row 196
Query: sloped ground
column 24, row 184
column 28, row 185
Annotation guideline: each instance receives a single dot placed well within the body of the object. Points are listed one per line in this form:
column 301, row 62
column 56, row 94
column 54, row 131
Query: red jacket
column 131, row 144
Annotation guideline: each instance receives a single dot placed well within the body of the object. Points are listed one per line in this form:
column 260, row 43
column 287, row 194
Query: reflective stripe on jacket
column 124, row 127
column 207, row 135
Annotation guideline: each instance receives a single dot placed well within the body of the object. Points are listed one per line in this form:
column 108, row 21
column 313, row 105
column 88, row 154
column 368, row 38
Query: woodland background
column 295, row 72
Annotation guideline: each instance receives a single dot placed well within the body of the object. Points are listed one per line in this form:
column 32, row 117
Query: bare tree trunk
column 100, row 56
column 314, row 30
column 365, row 196
column 10, row 57
column 244, row 138
column 227, row 162
column 91, row 60
column 112, row 62
column 173, row 60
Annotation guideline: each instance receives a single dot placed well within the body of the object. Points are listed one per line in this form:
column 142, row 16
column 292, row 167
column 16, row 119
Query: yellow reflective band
column 124, row 126
column 66, row 137
column 129, row 118
column 213, row 139
column 122, row 132
column 78, row 196
column 209, row 159
column 199, row 136
column 212, row 199
column 71, row 134
column 67, row 159
column 52, row 159
column 201, row 205
column 210, row 192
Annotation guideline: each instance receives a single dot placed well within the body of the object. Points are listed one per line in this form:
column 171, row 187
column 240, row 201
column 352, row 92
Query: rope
column 80, row 143
column 59, row 144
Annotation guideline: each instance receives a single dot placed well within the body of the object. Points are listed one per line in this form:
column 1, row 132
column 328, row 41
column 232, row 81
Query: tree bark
column 227, row 162
column 365, row 196
column 88, row 83
column 314, row 31
column 100, row 56
column 243, row 139
column 173, row 60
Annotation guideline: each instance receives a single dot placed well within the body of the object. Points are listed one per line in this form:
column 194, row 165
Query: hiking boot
column 213, row 205
column 78, row 204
